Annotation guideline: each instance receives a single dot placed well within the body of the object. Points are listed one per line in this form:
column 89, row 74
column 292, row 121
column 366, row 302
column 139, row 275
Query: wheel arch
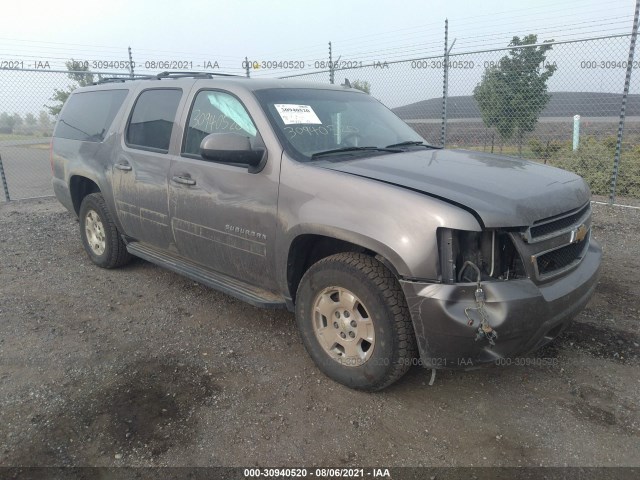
column 307, row 248
column 79, row 187
column 333, row 329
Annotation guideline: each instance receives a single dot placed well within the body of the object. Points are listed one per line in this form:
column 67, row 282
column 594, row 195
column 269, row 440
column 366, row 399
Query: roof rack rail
column 180, row 74
column 122, row 79
column 160, row 76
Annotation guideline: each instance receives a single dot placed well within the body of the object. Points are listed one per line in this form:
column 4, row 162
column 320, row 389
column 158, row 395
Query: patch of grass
column 15, row 137
column 40, row 146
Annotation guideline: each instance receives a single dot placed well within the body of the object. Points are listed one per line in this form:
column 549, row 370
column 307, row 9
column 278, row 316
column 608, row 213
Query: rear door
column 141, row 168
column 224, row 217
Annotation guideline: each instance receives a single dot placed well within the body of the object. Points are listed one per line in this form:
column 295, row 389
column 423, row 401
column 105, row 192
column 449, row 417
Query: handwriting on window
column 211, row 122
column 315, row 130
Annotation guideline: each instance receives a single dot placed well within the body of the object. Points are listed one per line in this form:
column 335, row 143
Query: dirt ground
column 142, row 367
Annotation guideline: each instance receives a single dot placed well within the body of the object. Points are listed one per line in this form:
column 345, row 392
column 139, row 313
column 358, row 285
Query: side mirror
column 230, row 148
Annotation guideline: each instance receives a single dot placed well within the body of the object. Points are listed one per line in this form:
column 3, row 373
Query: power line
column 579, row 30
column 425, row 37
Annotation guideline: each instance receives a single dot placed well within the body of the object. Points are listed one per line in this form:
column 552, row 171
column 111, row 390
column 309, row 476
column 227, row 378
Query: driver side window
column 216, row 112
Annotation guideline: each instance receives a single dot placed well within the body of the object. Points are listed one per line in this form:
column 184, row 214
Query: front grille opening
column 550, row 226
column 561, row 258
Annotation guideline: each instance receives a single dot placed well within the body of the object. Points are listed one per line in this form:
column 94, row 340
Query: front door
column 224, row 217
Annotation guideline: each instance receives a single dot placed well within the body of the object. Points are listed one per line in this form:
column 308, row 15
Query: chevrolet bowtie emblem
column 579, row 234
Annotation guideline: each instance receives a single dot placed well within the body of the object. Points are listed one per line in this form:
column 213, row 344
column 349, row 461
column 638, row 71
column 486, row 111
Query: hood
column 502, row 191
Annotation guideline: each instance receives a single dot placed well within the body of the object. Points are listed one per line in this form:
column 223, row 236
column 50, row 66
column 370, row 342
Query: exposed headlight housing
column 492, row 251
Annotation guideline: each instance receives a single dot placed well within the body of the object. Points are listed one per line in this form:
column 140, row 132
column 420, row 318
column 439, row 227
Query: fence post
column 625, row 93
column 445, row 86
column 331, row 72
column 130, row 64
column 5, row 187
column 445, row 83
column 246, row 67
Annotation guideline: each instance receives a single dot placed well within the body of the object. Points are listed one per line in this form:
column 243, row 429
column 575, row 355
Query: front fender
column 394, row 222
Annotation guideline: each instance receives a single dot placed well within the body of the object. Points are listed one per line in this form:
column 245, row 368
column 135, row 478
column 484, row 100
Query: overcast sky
column 226, row 32
column 48, row 33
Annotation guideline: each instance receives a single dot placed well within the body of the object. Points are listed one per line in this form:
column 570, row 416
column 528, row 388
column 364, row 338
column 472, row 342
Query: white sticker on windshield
column 294, row 114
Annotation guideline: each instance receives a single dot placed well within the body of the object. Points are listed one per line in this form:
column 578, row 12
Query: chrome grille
column 555, row 245
column 544, row 228
column 561, row 259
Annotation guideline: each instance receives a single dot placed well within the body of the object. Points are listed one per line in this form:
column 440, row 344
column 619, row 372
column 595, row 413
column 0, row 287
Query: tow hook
column 484, row 330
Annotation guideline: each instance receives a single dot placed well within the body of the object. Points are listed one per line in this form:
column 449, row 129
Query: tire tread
column 393, row 296
column 118, row 254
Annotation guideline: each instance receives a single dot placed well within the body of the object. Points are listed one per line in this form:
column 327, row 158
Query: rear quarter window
column 87, row 116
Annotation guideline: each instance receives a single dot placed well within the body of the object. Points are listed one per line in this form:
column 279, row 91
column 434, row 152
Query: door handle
column 183, row 180
column 125, row 167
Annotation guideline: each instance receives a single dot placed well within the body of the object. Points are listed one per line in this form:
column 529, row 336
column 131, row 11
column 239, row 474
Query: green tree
column 362, row 85
column 9, row 122
column 17, row 120
column 44, row 121
column 77, row 74
column 512, row 93
column 30, row 120
column 5, row 123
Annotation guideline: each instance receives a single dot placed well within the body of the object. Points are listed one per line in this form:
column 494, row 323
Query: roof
column 217, row 80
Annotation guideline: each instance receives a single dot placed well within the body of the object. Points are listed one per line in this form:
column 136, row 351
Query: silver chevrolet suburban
column 317, row 198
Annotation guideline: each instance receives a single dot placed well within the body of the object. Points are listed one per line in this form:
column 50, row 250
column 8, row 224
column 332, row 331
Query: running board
column 236, row 288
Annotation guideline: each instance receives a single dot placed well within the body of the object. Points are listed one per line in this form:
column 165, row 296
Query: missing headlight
column 491, row 250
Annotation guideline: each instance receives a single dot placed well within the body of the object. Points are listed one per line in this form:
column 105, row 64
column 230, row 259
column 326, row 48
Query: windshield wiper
column 354, row 149
column 409, row 143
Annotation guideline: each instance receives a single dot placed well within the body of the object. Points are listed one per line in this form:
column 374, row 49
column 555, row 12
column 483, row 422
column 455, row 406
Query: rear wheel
column 100, row 236
column 354, row 321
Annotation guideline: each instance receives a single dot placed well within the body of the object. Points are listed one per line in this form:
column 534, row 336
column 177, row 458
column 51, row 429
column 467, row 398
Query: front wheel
column 100, row 236
column 354, row 321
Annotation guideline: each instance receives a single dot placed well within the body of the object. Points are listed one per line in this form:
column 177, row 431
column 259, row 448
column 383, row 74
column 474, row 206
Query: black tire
column 379, row 293
column 108, row 250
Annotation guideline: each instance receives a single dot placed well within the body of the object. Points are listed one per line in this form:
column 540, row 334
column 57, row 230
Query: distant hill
column 561, row 104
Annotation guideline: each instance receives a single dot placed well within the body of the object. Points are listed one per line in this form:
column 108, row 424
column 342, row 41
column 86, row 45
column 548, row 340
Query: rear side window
column 87, row 116
column 152, row 119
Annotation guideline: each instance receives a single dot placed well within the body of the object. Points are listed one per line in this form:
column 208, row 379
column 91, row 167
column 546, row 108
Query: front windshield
column 310, row 121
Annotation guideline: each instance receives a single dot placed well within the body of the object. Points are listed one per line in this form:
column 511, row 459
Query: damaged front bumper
column 526, row 316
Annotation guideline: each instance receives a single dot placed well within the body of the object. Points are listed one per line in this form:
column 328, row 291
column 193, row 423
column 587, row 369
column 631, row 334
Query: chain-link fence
column 28, row 103
column 586, row 80
column 555, row 103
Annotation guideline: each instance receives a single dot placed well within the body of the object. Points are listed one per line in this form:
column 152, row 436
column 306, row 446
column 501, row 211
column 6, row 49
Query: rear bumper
column 526, row 316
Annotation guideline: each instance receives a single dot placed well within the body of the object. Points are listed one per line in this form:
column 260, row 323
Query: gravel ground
column 142, row 367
